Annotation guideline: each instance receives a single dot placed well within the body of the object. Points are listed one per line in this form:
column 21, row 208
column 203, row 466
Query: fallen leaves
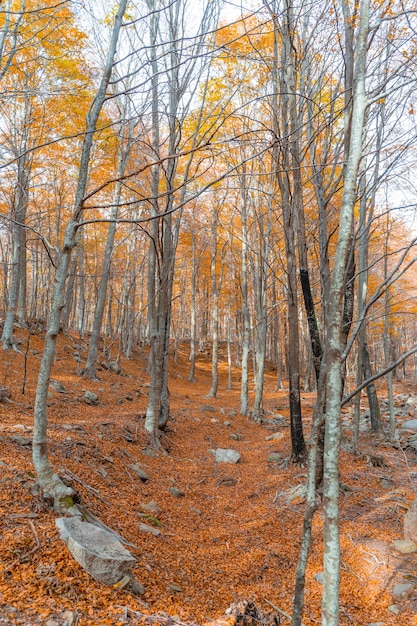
column 225, row 538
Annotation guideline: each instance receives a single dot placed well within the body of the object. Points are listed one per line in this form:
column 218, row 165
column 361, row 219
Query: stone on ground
column 139, row 471
column 404, row 546
column 97, row 550
column 150, row 506
column 274, row 457
column 410, row 522
column 90, row 398
column 274, row 437
column 409, row 425
column 145, row 528
column 227, row 455
column 402, row 591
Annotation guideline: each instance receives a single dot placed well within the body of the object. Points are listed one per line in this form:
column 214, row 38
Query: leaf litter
column 228, row 537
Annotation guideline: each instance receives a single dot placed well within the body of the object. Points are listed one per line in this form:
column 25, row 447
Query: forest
column 208, row 312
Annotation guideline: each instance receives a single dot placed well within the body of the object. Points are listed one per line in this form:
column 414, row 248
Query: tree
column 167, row 192
column 47, row 479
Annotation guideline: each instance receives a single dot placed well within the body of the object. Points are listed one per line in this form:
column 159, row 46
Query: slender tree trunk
column 193, row 327
column 215, row 293
column 261, row 278
column 330, row 603
column 18, row 273
column 374, row 410
column 47, row 479
column 90, row 368
column 299, row 450
column 244, row 385
column 229, row 351
column 387, row 340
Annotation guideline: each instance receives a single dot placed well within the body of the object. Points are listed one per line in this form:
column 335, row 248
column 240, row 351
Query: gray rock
column 404, row 546
column 196, row 511
column 377, row 624
column 319, row 577
column 137, row 588
column 57, row 386
column 139, row 471
column 177, row 493
column 150, row 507
column 149, row 529
column 174, row 587
column 226, row 423
column 52, row 622
column 393, row 608
column 68, row 617
column 227, row 455
column 274, row 457
column 409, row 425
column 274, row 437
column 387, row 483
column 236, row 437
column 90, row 398
column 97, row 550
column 410, row 522
column 3, row 464
column 22, row 441
column 149, row 452
column 208, row 408
column 402, row 591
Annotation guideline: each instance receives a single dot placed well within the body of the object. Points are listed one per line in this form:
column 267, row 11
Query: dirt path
column 226, row 531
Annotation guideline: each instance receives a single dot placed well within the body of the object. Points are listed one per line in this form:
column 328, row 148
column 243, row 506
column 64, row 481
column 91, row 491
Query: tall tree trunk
column 333, row 351
column 374, row 410
column 244, row 385
column 193, row 326
column 47, row 479
column 18, row 273
column 215, row 293
column 261, row 278
column 90, row 368
column 299, row 451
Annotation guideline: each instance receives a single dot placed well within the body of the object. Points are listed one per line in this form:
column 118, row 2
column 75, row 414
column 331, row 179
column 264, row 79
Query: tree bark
column 47, row 479
column 333, row 352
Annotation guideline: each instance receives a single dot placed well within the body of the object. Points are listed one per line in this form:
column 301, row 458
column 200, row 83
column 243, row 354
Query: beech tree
column 170, row 176
column 47, row 479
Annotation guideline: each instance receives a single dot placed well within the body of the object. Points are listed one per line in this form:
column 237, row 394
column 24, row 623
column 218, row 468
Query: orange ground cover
column 235, row 533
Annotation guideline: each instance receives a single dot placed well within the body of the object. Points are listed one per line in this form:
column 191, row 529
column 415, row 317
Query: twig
column 92, row 490
column 280, row 610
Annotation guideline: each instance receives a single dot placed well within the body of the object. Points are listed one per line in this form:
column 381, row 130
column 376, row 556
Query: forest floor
column 235, row 532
